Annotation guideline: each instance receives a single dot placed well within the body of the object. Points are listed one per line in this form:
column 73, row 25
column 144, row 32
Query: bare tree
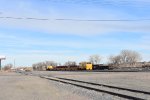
column 34, row 67
column 126, row 58
column 130, row 57
column 95, row 59
column 70, row 63
column 43, row 65
column 8, row 67
column 39, row 66
column 115, row 60
column 51, row 63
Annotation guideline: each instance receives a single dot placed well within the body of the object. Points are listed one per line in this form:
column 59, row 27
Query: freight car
column 62, row 68
column 73, row 68
column 100, row 67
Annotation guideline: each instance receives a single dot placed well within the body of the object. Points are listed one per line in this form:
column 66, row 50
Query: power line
column 104, row 2
column 104, row 19
column 63, row 19
column 24, row 18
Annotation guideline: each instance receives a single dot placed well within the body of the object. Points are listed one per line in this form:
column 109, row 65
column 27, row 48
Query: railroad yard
column 65, row 85
column 74, row 50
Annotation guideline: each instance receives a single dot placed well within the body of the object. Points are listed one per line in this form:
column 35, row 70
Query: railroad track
column 102, row 88
column 112, row 90
column 109, row 86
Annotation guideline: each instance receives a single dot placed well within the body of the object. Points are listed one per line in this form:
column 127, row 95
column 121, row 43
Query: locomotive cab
column 85, row 66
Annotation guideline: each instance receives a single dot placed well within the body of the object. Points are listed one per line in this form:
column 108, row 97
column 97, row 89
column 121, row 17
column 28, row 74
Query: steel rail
column 94, row 89
column 114, row 87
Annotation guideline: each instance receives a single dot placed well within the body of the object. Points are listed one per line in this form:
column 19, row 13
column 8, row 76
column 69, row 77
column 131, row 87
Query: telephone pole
column 14, row 63
column 0, row 64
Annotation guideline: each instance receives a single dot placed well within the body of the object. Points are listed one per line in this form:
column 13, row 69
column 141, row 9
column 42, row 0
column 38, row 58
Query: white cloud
column 83, row 28
column 26, row 9
column 79, row 28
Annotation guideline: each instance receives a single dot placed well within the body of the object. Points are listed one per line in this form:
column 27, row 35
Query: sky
column 102, row 27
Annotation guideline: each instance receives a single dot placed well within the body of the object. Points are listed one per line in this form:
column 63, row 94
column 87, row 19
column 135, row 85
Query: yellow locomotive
column 49, row 68
column 85, row 66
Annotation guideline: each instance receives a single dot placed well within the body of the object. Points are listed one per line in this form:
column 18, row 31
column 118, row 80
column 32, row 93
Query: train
column 81, row 66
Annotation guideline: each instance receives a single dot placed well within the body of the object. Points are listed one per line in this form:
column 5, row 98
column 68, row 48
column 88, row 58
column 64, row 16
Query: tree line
column 7, row 67
column 126, row 58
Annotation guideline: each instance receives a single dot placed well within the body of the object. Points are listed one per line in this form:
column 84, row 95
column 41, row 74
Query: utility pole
column 0, row 64
column 14, row 63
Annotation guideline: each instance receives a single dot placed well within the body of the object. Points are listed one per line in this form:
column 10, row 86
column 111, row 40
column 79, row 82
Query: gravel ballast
column 131, row 80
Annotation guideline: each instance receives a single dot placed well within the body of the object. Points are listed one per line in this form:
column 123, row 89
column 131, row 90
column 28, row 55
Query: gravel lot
column 133, row 80
column 91, row 95
column 15, row 86
column 20, row 87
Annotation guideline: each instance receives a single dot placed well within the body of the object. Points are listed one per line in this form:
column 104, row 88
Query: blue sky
column 30, row 41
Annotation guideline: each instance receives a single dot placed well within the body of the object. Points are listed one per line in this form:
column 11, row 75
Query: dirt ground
column 14, row 86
